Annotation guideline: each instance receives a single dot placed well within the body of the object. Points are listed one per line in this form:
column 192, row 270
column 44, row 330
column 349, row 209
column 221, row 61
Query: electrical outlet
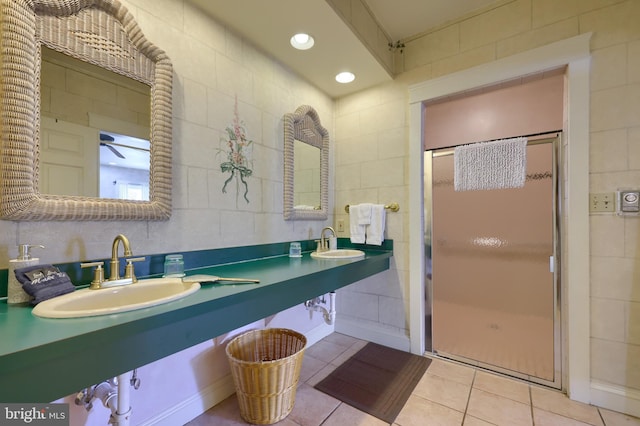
column 603, row 202
column 340, row 225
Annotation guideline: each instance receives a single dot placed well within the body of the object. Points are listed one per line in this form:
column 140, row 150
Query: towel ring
column 394, row 207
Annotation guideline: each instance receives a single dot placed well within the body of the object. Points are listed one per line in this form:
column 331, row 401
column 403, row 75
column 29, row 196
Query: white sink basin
column 338, row 254
column 143, row 294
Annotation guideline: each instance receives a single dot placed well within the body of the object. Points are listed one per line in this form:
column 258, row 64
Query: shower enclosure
column 491, row 270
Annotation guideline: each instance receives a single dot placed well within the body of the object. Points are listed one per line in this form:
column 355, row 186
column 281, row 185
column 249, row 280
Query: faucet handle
column 98, row 273
column 129, row 270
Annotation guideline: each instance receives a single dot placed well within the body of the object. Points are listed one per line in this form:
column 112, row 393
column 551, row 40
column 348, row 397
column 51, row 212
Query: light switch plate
column 602, row 202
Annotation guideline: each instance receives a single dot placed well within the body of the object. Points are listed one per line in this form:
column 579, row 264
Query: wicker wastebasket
column 265, row 365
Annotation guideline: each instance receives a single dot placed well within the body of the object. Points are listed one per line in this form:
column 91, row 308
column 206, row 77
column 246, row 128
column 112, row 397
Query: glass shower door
column 493, row 284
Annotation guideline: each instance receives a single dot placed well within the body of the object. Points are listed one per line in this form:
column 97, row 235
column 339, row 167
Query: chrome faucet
column 324, row 244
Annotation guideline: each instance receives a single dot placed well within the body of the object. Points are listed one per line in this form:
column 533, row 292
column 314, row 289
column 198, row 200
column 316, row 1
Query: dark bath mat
column 377, row 380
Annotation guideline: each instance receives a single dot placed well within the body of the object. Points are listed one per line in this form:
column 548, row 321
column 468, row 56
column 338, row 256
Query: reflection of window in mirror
column 306, row 191
column 78, row 100
column 133, row 191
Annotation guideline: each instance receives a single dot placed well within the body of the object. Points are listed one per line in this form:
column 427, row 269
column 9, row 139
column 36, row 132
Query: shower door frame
column 575, row 54
column 553, row 138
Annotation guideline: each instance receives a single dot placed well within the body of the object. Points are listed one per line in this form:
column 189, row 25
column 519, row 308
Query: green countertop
column 45, row 359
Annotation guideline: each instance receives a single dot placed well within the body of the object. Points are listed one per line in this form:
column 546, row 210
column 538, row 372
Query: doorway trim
column 573, row 53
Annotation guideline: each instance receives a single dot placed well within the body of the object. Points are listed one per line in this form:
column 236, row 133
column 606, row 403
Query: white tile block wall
column 615, row 135
column 212, row 67
column 209, row 59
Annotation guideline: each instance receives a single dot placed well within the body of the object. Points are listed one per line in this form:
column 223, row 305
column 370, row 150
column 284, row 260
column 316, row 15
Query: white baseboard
column 615, row 398
column 373, row 333
column 320, row 332
column 215, row 393
column 195, row 405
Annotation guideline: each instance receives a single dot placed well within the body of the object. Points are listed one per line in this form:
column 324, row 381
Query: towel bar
column 394, row 207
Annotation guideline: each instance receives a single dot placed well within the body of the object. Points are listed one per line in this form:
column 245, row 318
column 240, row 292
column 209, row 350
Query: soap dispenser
column 15, row 293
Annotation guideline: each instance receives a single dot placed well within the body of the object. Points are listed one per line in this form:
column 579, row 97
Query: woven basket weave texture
column 265, row 365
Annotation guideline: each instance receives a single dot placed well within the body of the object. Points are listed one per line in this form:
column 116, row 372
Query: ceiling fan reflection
column 104, row 141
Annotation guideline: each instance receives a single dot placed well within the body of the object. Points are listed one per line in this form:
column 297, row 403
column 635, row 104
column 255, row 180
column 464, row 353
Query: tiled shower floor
column 448, row 394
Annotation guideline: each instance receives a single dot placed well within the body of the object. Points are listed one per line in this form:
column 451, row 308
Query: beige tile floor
column 448, row 394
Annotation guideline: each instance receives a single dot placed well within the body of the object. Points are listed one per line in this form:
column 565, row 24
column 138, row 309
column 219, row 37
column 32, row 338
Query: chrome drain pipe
column 115, row 395
column 122, row 415
column 313, row 305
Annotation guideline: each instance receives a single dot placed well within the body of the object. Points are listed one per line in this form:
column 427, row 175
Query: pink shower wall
column 523, row 107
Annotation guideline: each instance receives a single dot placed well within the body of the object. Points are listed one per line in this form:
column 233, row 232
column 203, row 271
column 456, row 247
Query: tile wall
column 213, row 68
column 377, row 119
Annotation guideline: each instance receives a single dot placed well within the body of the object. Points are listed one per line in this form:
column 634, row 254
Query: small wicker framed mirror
column 304, row 134
column 99, row 32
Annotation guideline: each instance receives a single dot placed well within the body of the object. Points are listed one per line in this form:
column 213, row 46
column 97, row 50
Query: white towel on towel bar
column 375, row 230
column 363, row 213
column 490, row 165
column 359, row 218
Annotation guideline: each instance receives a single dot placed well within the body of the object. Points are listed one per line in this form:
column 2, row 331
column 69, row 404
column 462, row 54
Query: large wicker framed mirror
column 306, row 166
column 103, row 35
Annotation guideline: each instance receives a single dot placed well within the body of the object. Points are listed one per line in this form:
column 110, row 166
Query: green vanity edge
column 44, row 359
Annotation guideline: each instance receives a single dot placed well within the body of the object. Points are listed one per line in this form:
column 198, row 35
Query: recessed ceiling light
column 302, row 41
column 345, row 77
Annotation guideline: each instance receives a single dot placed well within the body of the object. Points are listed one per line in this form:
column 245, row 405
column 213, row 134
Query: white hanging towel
column 375, row 230
column 490, row 165
column 363, row 213
column 359, row 218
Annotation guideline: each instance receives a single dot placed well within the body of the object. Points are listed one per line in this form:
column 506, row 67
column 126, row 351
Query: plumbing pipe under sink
column 122, row 415
column 328, row 315
column 115, row 395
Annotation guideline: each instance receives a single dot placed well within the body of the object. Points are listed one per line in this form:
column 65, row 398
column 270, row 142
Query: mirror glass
column 306, row 176
column 306, row 166
column 87, row 138
column 124, row 167
column 94, row 130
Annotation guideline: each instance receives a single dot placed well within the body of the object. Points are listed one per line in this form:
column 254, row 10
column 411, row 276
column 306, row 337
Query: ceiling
column 270, row 24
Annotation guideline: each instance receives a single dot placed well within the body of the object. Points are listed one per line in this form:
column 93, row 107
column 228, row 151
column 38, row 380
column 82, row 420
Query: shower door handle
column 552, row 264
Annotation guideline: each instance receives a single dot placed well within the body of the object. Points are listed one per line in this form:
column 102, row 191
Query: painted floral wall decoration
column 237, row 150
